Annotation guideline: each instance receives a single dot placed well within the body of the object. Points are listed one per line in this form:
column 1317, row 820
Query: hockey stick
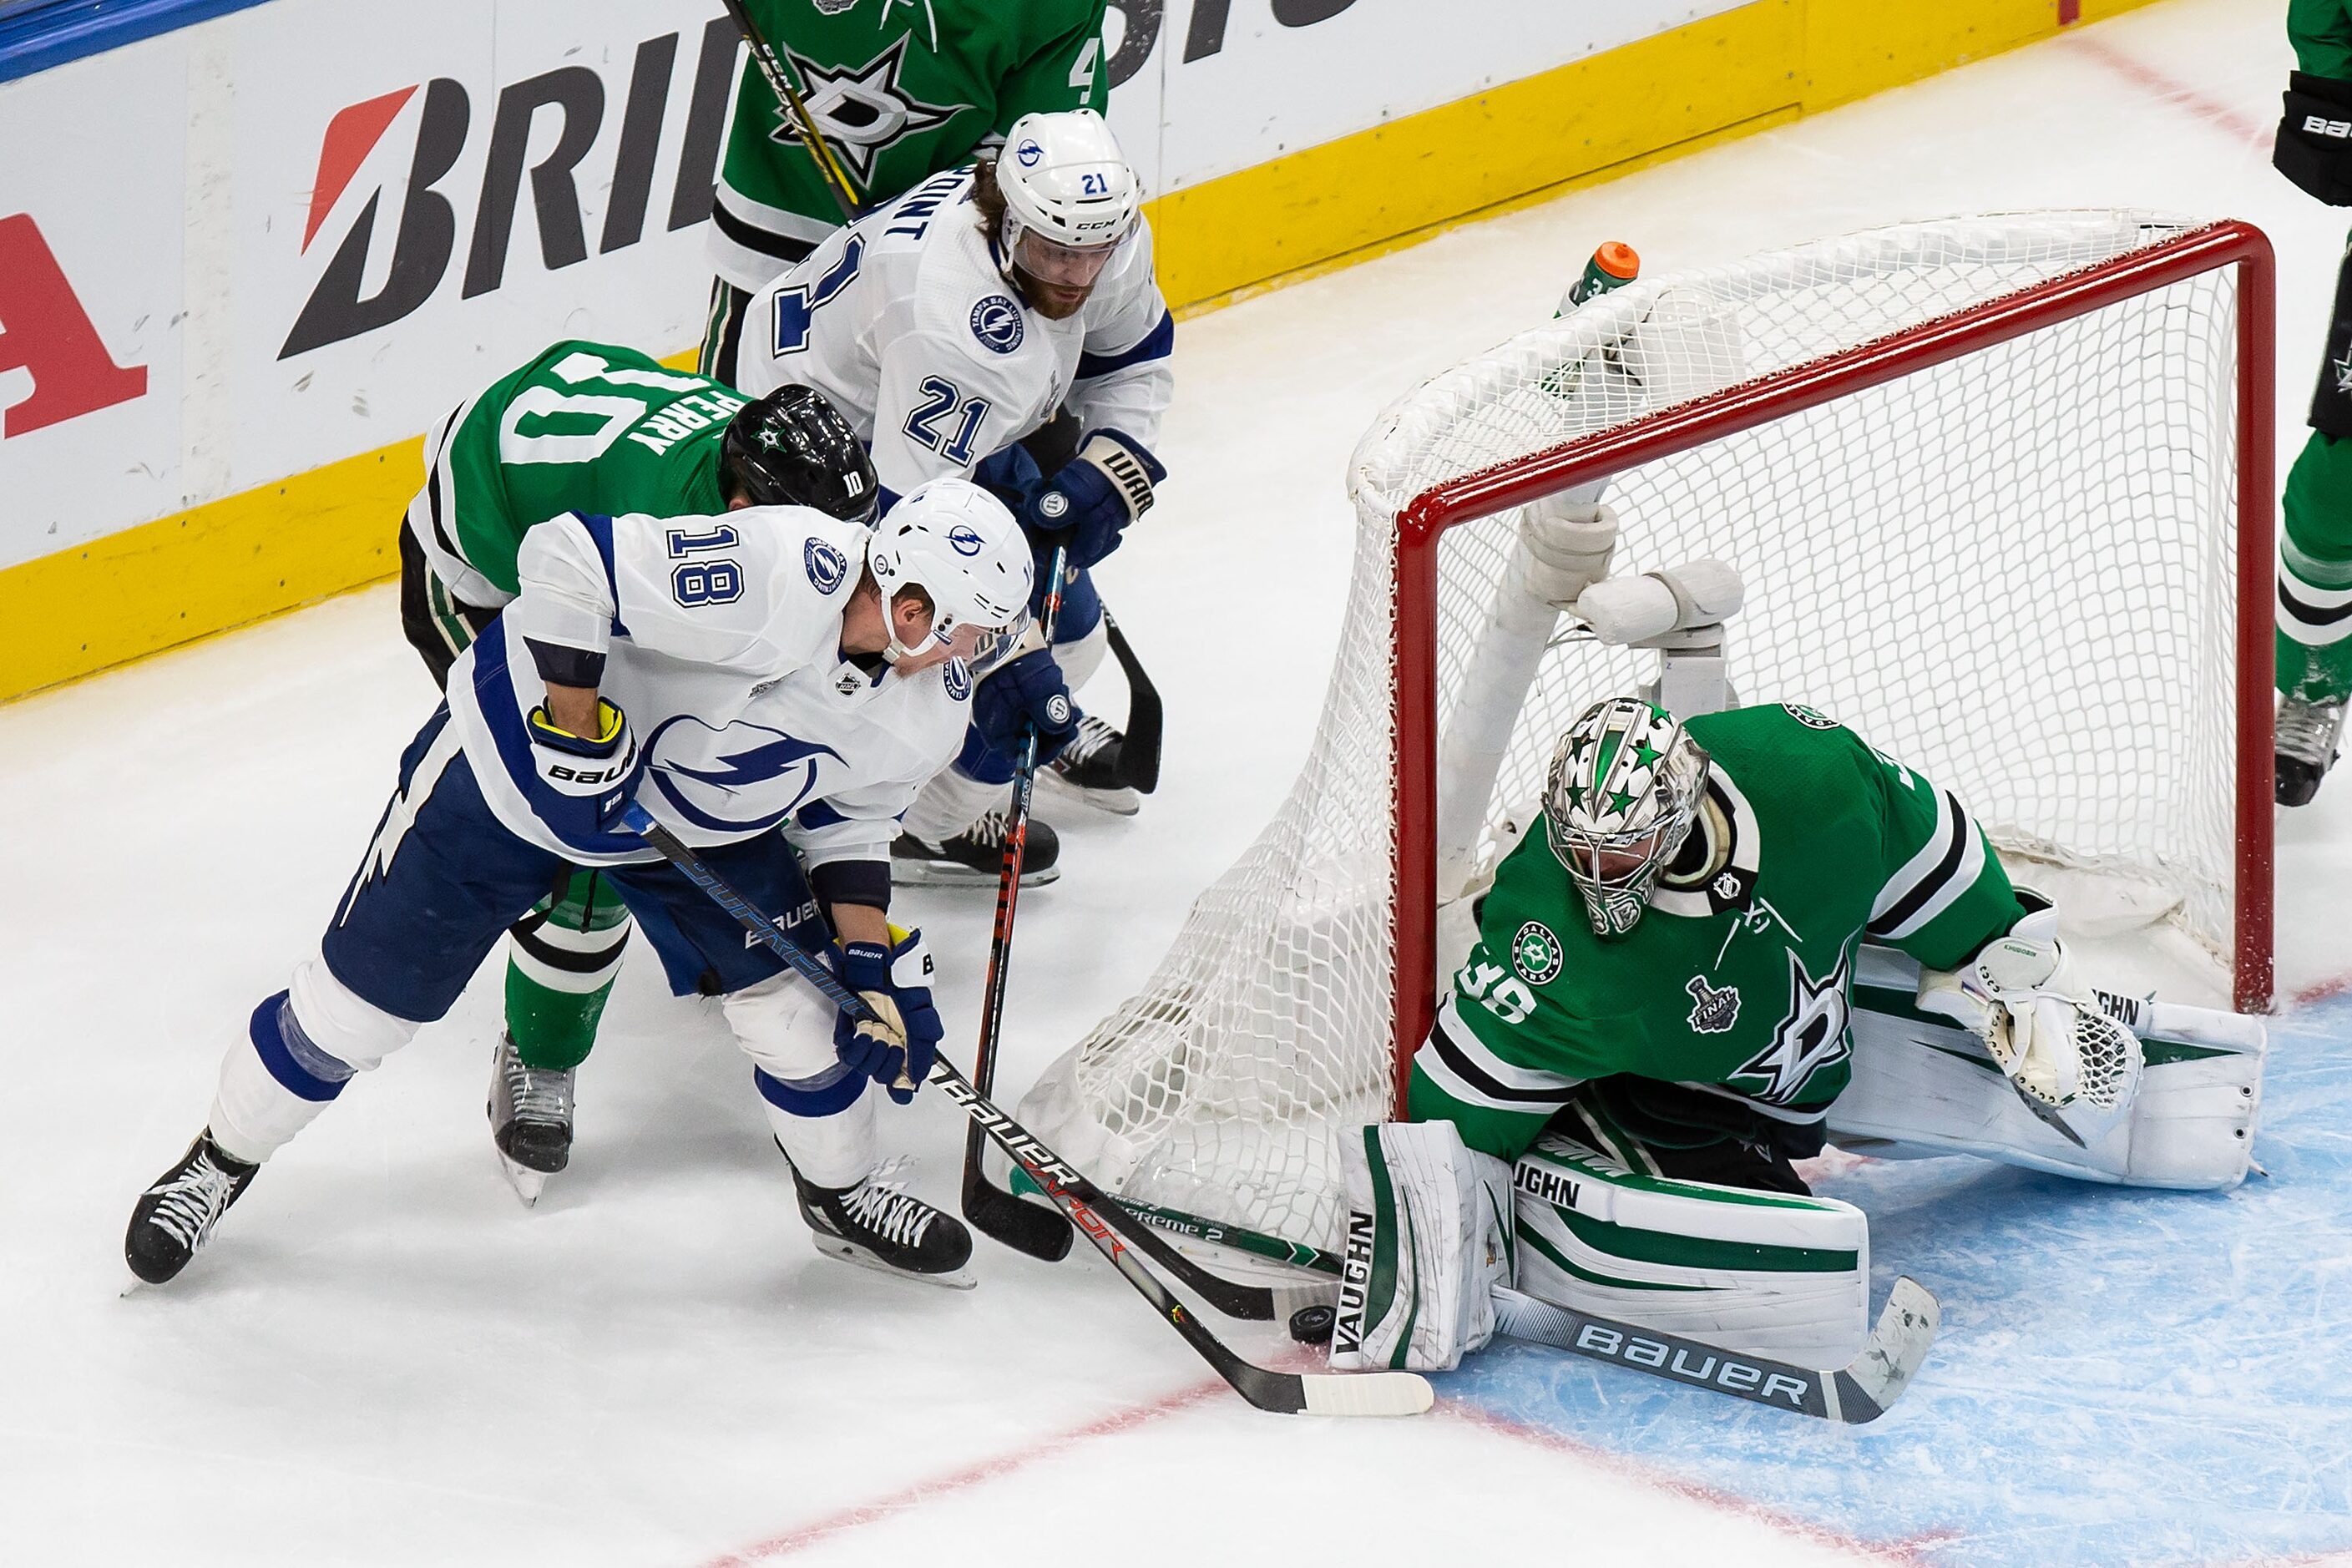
column 1080, row 1200
column 1138, row 752
column 1858, row 1392
column 828, row 165
column 1024, row 1226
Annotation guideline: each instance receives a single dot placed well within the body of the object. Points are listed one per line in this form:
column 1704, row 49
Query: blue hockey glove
column 588, row 779
column 1092, row 498
column 905, row 1034
column 1020, row 692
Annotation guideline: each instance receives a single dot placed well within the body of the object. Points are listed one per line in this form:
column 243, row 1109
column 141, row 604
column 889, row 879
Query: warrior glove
column 1092, row 498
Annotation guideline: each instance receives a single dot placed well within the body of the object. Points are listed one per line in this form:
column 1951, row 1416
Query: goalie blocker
column 1770, row 1275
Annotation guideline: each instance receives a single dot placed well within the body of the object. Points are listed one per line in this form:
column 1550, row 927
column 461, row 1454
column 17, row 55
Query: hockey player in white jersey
column 947, row 327
column 773, row 685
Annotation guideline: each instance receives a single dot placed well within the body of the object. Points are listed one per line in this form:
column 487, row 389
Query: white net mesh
column 2014, row 570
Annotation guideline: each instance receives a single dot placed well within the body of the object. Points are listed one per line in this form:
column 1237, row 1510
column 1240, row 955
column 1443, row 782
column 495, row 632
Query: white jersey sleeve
column 1125, row 375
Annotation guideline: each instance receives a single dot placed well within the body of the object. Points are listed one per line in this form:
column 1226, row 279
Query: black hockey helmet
column 792, row 448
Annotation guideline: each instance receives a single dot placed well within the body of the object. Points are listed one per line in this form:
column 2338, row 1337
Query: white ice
column 383, row 1359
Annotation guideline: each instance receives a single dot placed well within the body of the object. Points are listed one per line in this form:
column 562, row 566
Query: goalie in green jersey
column 593, row 428
column 1725, row 940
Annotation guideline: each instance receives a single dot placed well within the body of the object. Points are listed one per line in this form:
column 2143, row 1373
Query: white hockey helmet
column 1070, row 197
column 959, row 545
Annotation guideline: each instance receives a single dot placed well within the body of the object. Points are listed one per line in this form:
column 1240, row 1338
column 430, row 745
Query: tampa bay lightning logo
column 996, row 322
column 958, row 677
column 1028, row 152
column 826, row 566
column 739, row 780
column 965, row 540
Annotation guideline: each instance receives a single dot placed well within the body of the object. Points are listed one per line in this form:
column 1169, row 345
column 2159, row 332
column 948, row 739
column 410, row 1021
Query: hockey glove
column 2074, row 1067
column 2315, row 137
column 589, row 778
column 1092, row 498
column 1025, row 691
column 904, row 1035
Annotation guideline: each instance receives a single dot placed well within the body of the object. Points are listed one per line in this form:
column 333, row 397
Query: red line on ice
column 971, row 1475
column 1901, row 1554
column 2171, row 90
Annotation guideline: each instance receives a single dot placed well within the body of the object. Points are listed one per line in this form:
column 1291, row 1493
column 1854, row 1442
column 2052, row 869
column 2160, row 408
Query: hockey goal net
column 1999, row 492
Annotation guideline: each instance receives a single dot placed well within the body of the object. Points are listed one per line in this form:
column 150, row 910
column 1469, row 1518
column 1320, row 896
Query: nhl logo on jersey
column 996, row 322
column 1536, row 953
column 1712, row 1012
column 826, row 566
column 1811, row 718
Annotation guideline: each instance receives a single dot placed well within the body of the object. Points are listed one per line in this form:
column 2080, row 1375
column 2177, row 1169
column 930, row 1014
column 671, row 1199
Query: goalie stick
column 1024, row 1226
column 1078, row 1199
column 1858, row 1392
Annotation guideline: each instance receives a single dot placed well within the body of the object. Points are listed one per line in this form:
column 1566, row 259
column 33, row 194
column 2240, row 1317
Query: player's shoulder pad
column 963, row 299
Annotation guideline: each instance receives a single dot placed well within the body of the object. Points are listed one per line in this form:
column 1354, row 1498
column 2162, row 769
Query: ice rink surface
column 384, row 1360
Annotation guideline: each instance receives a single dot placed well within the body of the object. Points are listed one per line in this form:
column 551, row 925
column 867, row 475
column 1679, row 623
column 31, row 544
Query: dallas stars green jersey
column 2321, row 31
column 901, row 90
column 584, row 427
column 1738, row 976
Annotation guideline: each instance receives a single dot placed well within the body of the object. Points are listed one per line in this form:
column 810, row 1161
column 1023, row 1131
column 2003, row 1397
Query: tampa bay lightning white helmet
column 959, row 545
column 1070, row 196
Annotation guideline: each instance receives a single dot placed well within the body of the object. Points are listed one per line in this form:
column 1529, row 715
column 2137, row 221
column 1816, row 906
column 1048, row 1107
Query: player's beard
column 1055, row 302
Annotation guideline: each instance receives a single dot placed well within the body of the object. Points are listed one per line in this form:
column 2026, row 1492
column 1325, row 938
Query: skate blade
column 930, row 874
column 527, row 1182
column 1121, row 802
column 850, row 1252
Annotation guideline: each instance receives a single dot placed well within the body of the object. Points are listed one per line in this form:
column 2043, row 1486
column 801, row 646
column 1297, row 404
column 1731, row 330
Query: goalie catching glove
column 2074, row 1066
column 904, row 1034
column 1429, row 1237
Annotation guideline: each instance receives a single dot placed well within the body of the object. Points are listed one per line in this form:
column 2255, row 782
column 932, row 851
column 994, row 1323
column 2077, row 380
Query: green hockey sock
column 560, row 963
column 2314, row 604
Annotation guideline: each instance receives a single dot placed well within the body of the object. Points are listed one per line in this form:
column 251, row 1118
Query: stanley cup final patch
column 1713, row 1011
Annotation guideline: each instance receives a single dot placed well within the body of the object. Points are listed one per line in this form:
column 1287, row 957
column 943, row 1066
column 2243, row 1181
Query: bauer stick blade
column 1858, row 1392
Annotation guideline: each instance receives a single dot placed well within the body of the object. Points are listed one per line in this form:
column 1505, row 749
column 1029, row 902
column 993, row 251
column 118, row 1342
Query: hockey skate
column 1087, row 770
column 878, row 1224
column 2308, row 733
column 175, row 1218
column 975, row 858
column 530, row 1119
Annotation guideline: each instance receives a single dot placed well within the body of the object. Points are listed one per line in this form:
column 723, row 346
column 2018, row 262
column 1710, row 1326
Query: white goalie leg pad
column 1768, row 1274
column 1924, row 1086
column 1429, row 1237
column 819, row 1111
column 952, row 802
column 322, row 1035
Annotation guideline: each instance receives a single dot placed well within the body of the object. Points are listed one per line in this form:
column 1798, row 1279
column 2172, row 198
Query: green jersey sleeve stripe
column 1946, row 866
column 1457, row 1061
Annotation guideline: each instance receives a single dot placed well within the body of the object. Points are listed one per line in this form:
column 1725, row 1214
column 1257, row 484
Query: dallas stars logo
column 862, row 110
column 1536, row 953
column 1811, row 1037
column 2343, row 369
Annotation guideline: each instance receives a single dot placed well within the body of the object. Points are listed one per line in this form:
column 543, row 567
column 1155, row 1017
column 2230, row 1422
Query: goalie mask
column 1624, row 786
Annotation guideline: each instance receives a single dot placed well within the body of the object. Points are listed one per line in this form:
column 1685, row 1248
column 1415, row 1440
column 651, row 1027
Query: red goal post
column 1689, row 425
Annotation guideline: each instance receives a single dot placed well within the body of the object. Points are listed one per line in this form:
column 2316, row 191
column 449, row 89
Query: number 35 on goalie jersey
column 1738, row 976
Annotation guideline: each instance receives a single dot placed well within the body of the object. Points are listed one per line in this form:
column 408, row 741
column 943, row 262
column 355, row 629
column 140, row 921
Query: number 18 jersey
column 583, row 426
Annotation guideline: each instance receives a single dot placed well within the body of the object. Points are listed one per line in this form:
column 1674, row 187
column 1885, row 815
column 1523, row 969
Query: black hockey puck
column 1312, row 1325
